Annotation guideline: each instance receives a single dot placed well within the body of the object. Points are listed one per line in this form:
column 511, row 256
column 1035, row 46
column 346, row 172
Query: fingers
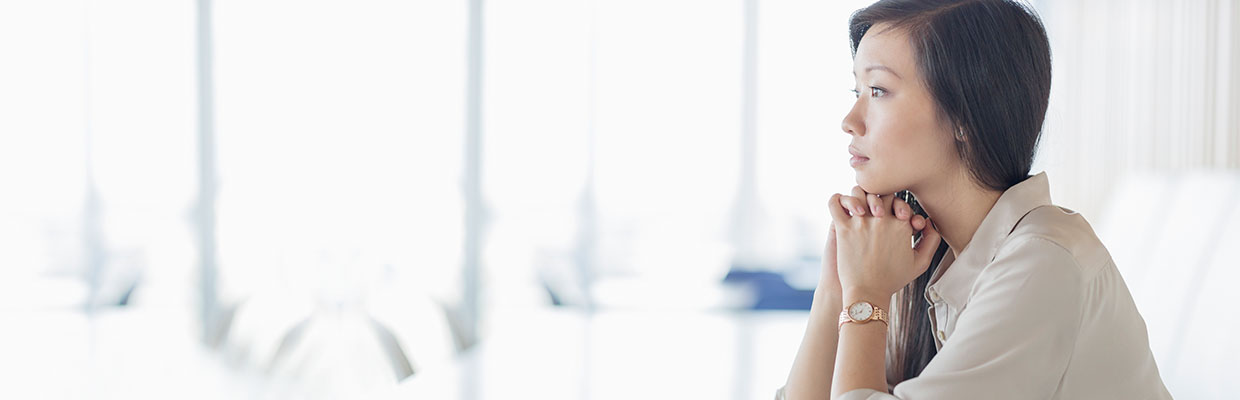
column 905, row 212
column 880, row 206
column 929, row 243
column 858, row 192
column 888, row 201
column 876, row 205
column 855, row 205
column 861, row 203
column 858, row 198
column 838, row 213
column 902, row 210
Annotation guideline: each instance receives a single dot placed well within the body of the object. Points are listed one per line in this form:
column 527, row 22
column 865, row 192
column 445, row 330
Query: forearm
column 815, row 361
column 861, row 360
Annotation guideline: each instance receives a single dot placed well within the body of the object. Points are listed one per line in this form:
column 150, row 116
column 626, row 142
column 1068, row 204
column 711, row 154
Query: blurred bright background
column 527, row 198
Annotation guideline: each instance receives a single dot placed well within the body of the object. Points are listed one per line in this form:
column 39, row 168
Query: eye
column 856, row 93
column 877, row 92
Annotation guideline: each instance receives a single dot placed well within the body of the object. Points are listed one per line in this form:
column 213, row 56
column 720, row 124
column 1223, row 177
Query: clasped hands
column 869, row 253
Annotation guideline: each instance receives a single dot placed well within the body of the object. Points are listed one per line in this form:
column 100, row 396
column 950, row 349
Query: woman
column 1022, row 301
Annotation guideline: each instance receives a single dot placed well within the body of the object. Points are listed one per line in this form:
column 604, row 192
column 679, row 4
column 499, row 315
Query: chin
column 877, row 186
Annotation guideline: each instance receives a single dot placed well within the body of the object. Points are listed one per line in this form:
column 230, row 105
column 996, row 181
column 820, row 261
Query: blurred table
column 568, row 354
column 115, row 353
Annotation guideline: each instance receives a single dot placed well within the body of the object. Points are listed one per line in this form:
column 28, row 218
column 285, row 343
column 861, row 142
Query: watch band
column 879, row 314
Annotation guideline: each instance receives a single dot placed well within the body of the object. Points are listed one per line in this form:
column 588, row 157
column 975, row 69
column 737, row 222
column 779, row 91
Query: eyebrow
column 881, row 67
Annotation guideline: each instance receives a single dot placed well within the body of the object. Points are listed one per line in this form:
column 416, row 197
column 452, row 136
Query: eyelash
column 874, row 92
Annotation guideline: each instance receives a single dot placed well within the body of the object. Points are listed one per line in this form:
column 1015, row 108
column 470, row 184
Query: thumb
column 929, row 243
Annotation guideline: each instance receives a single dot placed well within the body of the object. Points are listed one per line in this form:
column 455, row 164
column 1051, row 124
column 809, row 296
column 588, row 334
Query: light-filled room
column 619, row 199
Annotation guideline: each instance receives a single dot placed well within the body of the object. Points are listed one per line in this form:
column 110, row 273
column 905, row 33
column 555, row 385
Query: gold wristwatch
column 862, row 312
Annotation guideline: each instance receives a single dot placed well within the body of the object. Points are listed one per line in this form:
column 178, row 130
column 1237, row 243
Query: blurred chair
column 418, row 324
column 260, row 323
column 1173, row 238
column 336, row 354
column 339, row 351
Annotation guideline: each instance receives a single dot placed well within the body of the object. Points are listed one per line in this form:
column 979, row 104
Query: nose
column 852, row 123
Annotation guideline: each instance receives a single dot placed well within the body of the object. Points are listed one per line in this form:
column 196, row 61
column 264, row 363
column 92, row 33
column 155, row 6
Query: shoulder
column 1053, row 229
column 1037, row 267
column 1050, row 250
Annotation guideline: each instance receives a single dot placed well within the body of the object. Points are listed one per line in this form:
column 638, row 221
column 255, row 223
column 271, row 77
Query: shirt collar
column 954, row 284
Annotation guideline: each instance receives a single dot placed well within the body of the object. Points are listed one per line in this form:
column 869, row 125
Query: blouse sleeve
column 1014, row 338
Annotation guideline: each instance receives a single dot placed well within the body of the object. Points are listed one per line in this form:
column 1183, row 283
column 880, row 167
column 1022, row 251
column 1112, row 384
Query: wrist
column 828, row 289
column 876, row 297
column 828, row 301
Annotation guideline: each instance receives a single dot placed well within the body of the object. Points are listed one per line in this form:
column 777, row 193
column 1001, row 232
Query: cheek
column 896, row 138
column 905, row 147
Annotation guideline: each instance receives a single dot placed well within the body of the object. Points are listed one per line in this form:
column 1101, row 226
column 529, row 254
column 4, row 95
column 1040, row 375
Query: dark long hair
column 987, row 65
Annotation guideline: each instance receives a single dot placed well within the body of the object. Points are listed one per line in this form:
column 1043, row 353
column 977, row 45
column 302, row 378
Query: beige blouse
column 1033, row 308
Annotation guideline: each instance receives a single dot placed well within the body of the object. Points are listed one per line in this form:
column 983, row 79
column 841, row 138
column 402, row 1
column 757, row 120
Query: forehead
column 883, row 45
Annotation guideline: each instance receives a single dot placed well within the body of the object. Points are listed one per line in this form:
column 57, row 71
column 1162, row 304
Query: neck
column 956, row 206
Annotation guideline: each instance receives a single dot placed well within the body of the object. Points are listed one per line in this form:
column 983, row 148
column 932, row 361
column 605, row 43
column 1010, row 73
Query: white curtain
column 1139, row 86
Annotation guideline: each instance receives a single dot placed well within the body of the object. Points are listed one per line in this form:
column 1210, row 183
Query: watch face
column 860, row 311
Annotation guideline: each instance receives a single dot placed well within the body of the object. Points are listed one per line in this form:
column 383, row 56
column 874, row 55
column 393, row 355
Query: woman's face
column 898, row 138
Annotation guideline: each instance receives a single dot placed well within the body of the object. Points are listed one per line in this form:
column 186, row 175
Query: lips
column 857, row 158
